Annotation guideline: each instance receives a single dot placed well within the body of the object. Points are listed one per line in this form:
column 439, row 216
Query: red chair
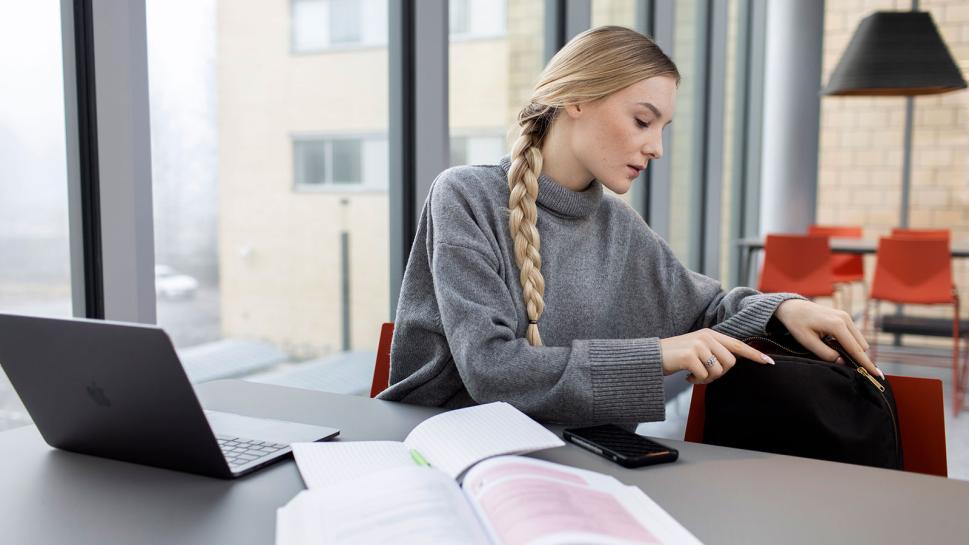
column 917, row 270
column 921, row 233
column 846, row 268
column 921, row 422
column 381, row 368
column 797, row 263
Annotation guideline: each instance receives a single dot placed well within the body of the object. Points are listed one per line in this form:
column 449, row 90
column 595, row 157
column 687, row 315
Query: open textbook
column 391, row 492
column 508, row 500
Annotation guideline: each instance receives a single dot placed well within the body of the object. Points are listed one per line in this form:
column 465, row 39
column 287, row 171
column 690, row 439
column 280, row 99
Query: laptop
column 118, row 390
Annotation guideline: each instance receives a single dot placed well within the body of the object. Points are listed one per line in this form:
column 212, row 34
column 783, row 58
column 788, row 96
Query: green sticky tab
column 418, row 459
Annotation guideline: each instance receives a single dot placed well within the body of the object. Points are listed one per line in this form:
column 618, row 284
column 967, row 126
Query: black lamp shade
column 896, row 53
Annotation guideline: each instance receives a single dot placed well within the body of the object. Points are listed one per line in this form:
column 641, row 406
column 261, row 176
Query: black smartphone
column 626, row 448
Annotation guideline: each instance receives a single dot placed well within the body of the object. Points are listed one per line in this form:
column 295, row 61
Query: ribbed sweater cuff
column 627, row 380
column 752, row 319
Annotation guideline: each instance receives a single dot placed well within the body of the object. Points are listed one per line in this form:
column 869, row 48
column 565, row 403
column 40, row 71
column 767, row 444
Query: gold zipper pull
column 865, row 374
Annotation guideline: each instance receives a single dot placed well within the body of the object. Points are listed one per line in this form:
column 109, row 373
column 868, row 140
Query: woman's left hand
column 808, row 322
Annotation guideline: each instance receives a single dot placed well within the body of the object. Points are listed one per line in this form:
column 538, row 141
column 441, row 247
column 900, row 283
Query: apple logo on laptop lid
column 97, row 394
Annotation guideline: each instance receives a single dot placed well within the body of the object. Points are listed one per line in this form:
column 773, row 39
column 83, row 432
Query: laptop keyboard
column 239, row 451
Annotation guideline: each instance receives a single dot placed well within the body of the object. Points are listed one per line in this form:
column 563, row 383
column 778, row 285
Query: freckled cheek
column 613, row 141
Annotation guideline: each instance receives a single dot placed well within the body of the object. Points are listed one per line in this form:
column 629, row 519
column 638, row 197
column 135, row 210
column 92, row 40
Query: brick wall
column 860, row 163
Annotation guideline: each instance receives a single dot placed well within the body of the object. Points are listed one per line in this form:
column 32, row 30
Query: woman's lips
column 632, row 170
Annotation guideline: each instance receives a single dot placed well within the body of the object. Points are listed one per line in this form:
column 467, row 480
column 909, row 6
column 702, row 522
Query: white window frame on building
column 372, row 166
column 477, row 147
column 477, row 19
column 319, row 26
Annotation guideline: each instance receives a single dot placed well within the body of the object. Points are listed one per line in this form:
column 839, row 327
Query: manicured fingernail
column 767, row 359
column 840, row 360
column 882, row 375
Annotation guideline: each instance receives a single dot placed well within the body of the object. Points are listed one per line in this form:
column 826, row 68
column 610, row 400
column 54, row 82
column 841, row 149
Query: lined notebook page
column 323, row 464
column 455, row 440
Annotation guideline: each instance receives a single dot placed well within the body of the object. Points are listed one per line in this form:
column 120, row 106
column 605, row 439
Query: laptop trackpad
column 265, row 429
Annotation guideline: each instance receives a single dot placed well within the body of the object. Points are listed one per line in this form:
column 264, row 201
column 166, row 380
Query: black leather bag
column 803, row 406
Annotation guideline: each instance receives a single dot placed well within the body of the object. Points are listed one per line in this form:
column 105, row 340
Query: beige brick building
column 303, row 89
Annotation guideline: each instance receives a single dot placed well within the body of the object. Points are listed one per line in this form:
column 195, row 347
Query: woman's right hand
column 693, row 350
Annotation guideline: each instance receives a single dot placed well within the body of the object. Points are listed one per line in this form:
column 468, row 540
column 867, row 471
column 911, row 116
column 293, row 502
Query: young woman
column 526, row 284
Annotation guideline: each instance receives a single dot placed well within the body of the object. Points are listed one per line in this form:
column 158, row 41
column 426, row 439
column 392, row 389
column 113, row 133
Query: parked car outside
column 171, row 284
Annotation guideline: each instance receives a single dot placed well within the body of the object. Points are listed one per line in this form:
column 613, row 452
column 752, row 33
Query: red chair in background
column 799, row 264
column 921, row 233
column 381, row 368
column 921, row 422
column 846, row 268
column 917, row 270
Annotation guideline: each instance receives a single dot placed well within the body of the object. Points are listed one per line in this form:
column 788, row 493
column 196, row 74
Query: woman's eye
column 642, row 124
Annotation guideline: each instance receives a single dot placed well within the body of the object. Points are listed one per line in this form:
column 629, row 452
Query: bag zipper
column 868, row 376
column 775, row 343
column 881, row 392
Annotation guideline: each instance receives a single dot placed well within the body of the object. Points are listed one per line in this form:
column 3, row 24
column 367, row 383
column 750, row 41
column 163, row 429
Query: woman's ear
column 575, row 110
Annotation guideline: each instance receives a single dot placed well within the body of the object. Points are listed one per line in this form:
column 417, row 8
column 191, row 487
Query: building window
column 319, row 25
column 470, row 19
column 458, row 15
column 476, row 149
column 345, row 22
column 360, row 162
column 347, row 161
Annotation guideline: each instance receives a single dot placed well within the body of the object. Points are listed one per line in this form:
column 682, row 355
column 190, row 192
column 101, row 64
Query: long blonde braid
column 594, row 64
column 526, row 166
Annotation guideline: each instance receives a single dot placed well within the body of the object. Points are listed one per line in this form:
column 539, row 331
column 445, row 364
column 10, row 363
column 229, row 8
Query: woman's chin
column 619, row 187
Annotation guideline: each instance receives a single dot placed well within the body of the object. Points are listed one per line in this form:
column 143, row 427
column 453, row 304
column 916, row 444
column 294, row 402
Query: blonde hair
column 593, row 65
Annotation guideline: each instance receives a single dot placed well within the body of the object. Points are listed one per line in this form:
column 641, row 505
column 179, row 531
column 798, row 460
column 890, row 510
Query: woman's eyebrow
column 655, row 110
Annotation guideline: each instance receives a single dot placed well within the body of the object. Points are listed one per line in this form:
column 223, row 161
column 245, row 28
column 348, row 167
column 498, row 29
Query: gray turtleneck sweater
column 613, row 289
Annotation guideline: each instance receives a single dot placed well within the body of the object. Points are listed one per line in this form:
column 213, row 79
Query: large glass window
column 685, row 187
column 495, row 55
column 34, row 246
column 624, row 13
column 270, row 178
column 731, row 144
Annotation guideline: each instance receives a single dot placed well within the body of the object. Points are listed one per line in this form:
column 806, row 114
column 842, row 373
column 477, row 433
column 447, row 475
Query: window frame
column 109, row 171
column 329, row 186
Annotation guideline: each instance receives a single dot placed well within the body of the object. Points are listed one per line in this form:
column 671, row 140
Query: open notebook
column 508, row 500
column 451, row 441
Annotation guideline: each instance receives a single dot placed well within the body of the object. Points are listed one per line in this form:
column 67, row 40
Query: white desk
column 722, row 495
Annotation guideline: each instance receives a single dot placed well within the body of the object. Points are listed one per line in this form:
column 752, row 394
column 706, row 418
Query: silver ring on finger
column 711, row 361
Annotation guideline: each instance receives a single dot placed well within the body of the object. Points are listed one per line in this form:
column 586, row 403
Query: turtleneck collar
column 563, row 201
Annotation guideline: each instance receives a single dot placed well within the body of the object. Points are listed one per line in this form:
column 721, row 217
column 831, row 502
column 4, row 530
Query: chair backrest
column 921, row 233
column 697, row 417
column 913, row 270
column 797, row 263
column 381, row 368
column 836, row 231
column 921, row 422
column 845, row 267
